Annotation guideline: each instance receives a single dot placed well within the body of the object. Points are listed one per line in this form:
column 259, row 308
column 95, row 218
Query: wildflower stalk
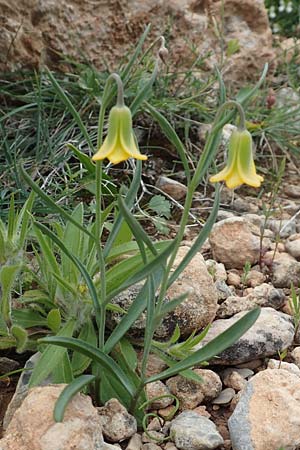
column 208, row 154
column 98, row 198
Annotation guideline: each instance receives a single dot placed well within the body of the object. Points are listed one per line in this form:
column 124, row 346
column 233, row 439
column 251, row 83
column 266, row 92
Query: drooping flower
column 240, row 167
column 120, row 143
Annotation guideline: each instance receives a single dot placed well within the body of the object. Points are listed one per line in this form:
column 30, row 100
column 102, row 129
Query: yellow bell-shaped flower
column 119, row 144
column 240, row 167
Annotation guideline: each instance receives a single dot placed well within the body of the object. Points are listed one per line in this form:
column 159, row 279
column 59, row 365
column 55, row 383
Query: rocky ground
column 249, row 398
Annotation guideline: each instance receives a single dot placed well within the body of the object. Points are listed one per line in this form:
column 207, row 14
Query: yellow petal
column 118, row 154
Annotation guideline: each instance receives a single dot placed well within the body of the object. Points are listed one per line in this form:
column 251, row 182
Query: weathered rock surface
column 264, row 295
column 234, row 244
column 267, row 414
column 36, row 32
column 194, row 313
column 292, row 246
column 190, row 393
column 158, row 389
column 117, row 423
column 33, row 428
column 285, row 272
column 272, row 332
column 190, row 431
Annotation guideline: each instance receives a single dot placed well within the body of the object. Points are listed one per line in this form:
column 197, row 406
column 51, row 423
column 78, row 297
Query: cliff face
column 35, row 32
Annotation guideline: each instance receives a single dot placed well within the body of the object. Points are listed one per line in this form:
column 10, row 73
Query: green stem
column 209, row 150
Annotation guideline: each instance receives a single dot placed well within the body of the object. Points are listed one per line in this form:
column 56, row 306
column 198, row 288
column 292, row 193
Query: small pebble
column 135, row 442
column 224, row 397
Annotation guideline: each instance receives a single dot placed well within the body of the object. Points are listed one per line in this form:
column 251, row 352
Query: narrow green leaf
column 81, row 362
column 129, row 200
column 11, row 219
column 63, row 97
column 51, row 357
column 135, row 226
column 24, row 218
column 84, row 159
column 135, row 310
column 172, row 136
column 51, row 203
column 76, row 261
column 201, row 238
column 172, row 304
column 7, row 279
column 212, row 348
column 68, row 393
column 148, row 269
column 95, row 354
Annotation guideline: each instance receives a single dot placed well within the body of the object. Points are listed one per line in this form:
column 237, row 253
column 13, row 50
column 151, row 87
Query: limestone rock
column 37, row 32
column 33, row 428
column 194, row 313
column 273, row 331
column 264, row 295
column 225, row 397
column 233, row 243
column 267, row 414
column 191, row 431
column 172, row 187
column 191, row 393
column 285, row 272
column 290, row 367
column 158, row 389
column 117, row 423
column 292, row 246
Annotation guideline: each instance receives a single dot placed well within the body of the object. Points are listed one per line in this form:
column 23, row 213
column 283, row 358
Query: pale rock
column 267, row 414
column 288, row 49
column 105, row 31
column 153, row 436
column 255, row 278
column 243, row 205
column 264, row 295
column 151, row 446
column 224, row 291
column 155, row 424
column 135, row 442
column 292, row 190
column 191, row 393
column 272, row 332
column 233, row 243
column 224, row 397
column 117, row 423
column 171, row 187
column 290, row 367
column 202, row 411
column 222, row 215
column 235, row 381
column 190, row 431
column 233, row 279
column 155, row 364
column 295, row 354
column 285, row 272
column 196, row 312
column 255, row 219
column 33, row 428
column 158, row 389
column 282, row 227
column 216, row 270
column 170, row 446
column 167, row 413
column 292, row 246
